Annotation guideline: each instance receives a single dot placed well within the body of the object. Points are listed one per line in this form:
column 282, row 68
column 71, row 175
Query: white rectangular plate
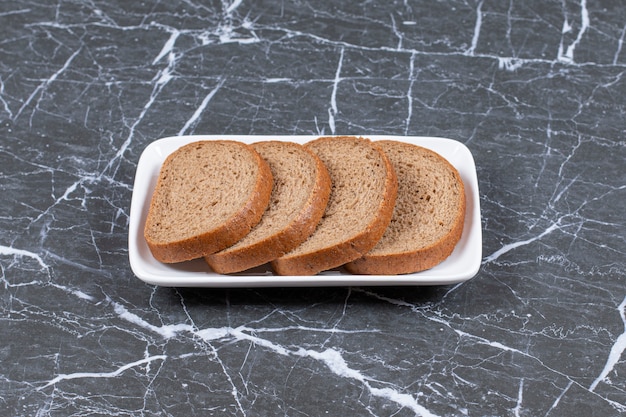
column 461, row 265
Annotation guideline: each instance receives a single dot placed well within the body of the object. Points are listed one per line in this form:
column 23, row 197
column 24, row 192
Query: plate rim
column 154, row 154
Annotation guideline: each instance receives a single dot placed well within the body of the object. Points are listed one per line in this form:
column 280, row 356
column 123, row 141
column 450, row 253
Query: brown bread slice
column 428, row 218
column 209, row 194
column 361, row 203
column 299, row 197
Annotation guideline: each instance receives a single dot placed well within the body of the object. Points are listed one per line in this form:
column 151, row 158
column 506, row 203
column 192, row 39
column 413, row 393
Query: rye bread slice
column 428, row 218
column 299, row 197
column 361, row 203
column 209, row 194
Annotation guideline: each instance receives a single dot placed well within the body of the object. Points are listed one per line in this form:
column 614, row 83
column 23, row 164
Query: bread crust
column 422, row 258
column 325, row 258
column 233, row 229
column 301, row 227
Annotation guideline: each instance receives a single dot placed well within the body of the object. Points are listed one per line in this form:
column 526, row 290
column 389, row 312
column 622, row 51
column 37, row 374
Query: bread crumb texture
column 294, row 172
column 358, row 174
column 202, row 187
column 429, row 199
column 428, row 218
column 361, row 203
column 298, row 200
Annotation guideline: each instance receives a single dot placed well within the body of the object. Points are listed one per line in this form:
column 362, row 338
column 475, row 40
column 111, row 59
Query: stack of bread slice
column 371, row 207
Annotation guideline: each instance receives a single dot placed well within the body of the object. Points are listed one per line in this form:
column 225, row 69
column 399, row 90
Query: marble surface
column 535, row 89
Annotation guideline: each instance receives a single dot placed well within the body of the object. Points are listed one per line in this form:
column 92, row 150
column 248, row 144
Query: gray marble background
column 536, row 90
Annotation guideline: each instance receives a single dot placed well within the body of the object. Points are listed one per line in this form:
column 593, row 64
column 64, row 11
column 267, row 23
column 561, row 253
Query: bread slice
column 209, row 194
column 428, row 218
column 361, row 203
column 299, row 197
